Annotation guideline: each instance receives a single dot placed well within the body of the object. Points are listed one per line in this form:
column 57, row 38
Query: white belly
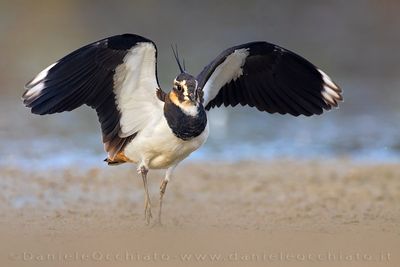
column 159, row 148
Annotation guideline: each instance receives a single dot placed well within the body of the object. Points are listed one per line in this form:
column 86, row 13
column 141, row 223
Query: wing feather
column 116, row 76
column 270, row 78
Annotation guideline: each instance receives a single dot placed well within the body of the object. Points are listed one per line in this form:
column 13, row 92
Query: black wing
column 270, row 78
column 105, row 76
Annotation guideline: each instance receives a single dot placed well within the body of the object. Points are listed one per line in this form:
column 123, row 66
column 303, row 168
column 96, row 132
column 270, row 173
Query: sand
column 275, row 213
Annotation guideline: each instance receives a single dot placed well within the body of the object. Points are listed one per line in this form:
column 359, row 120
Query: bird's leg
column 147, row 204
column 163, row 187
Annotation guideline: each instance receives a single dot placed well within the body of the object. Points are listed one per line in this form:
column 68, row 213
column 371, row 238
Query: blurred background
column 355, row 42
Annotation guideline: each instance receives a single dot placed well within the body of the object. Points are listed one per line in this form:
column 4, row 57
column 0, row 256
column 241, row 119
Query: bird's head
column 185, row 92
column 185, row 88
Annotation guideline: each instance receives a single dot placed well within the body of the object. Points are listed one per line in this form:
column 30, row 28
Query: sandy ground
column 279, row 213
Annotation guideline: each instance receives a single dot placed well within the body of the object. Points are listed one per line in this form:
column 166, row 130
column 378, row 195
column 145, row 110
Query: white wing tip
column 331, row 93
column 33, row 91
column 38, row 78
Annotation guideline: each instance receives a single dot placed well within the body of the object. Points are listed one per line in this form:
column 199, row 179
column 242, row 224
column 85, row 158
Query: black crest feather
column 176, row 55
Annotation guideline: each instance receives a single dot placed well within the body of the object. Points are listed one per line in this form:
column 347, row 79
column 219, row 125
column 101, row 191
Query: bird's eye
column 179, row 88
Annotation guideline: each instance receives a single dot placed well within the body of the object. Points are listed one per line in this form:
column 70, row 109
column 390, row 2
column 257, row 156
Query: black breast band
column 182, row 125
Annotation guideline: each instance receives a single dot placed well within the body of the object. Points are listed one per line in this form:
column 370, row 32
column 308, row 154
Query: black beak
column 192, row 97
column 199, row 94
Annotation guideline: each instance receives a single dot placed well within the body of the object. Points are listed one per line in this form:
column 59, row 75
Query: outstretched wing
column 116, row 76
column 268, row 77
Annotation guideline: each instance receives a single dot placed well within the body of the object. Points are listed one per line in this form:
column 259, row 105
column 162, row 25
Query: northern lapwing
column 141, row 124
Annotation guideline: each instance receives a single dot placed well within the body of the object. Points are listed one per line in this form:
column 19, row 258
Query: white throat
column 189, row 109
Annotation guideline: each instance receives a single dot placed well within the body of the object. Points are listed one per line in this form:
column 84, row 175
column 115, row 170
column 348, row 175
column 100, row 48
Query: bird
column 153, row 129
